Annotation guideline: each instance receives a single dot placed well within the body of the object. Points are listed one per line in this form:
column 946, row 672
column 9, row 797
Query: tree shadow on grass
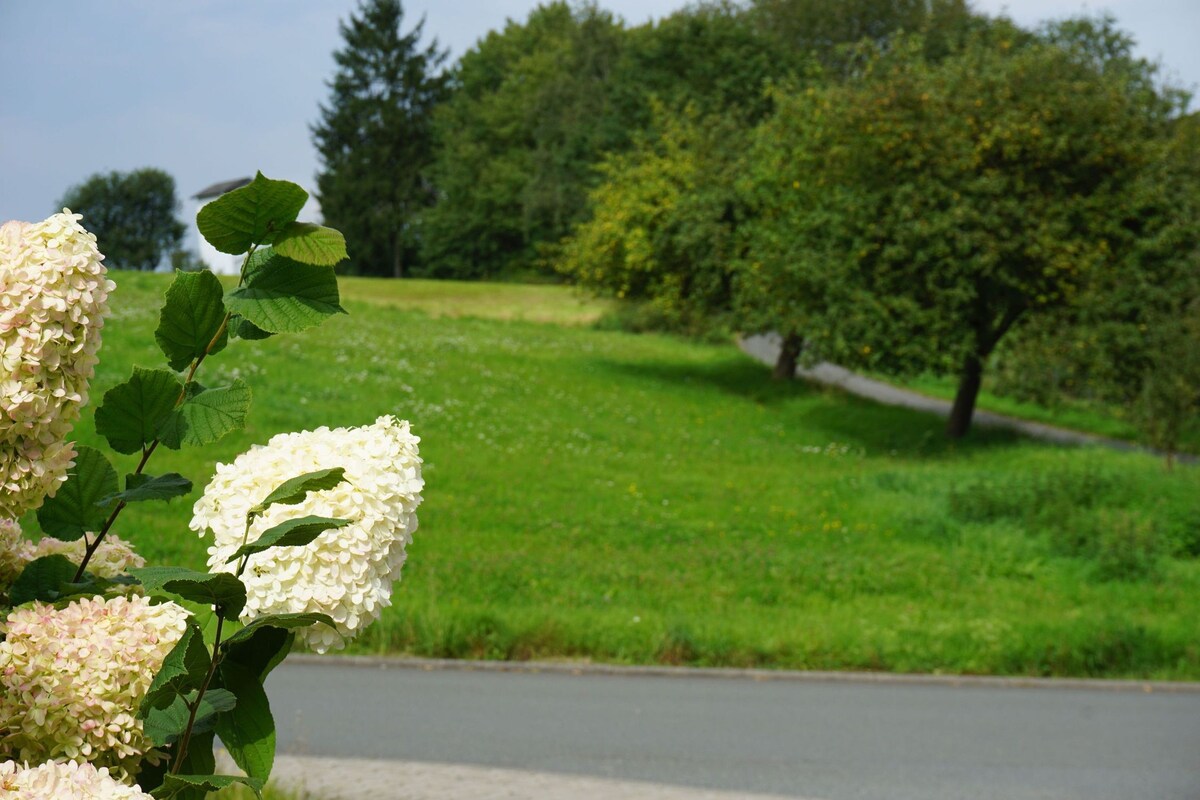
column 735, row 376
column 824, row 411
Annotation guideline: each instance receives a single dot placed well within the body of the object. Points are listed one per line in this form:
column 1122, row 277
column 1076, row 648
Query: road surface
column 825, row 740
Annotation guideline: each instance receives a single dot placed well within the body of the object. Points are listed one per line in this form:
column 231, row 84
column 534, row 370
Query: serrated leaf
column 131, row 412
column 183, row 670
column 259, row 651
column 311, row 244
column 42, row 579
column 174, row 786
column 245, row 329
column 199, row 760
column 216, row 701
column 281, row 621
column 141, row 487
column 290, row 533
column 254, row 214
column 191, row 316
column 218, row 589
column 207, row 416
column 89, row 586
column 247, row 730
column 285, row 296
column 255, row 261
column 163, row 724
column 294, row 490
column 74, row 510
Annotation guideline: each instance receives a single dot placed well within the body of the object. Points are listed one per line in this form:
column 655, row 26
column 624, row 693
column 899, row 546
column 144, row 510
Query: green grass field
column 642, row 499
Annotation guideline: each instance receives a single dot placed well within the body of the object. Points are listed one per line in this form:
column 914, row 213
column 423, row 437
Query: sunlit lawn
column 640, row 499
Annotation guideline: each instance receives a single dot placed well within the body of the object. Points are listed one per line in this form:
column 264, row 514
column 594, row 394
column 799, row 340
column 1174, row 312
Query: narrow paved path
column 826, row 739
column 765, row 348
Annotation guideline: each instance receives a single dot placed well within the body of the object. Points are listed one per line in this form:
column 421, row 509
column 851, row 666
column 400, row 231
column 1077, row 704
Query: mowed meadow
column 599, row 495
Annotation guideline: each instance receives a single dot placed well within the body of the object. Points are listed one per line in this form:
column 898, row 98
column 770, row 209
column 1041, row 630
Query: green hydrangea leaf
column 254, row 214
column 42, row 579
column 190, row 318
column 311, row 244
column 248, row 729
column 286, row 296
column 291, row 533
column 141, row 487
column 177, row 787
column 131, row 412
column 242, row 328
column 74, row 510
column 259, row 651
column 279, row 621
column 294, row 490
column 165, row 723
column 184, row 669
column 218, row 589
column 207, row 416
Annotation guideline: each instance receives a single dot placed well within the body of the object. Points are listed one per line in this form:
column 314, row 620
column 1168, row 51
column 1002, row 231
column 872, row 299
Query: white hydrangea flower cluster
column 63, row 781
column 71, row 679
column 113, row 557
column 53, row 300
column 345, row 572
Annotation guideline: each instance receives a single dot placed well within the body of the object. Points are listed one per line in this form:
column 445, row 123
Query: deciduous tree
column 530, row 117
column 132, row 213
column 909, row 217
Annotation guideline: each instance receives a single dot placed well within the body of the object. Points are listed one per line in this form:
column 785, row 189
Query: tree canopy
column 529, row 117
column 908, row 218
column 375, row 138
column 132, row 213
column 905, row 186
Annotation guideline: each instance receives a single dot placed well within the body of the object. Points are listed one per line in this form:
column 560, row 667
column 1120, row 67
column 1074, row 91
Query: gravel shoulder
column 353, row 779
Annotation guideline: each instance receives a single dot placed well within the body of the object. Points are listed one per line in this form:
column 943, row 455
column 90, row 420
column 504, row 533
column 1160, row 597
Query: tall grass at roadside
column 643, row 499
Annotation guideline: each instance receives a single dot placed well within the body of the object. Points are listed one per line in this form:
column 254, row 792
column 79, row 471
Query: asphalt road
column 834, row 740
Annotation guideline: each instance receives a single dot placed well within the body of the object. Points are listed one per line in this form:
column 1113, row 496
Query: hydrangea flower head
column 53, row 300
column 114, row 556
column 15, row 552
column 63, row 781
column 71, row 679
column 345, row 572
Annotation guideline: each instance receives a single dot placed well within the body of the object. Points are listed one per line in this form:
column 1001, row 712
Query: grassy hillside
column 643, row 499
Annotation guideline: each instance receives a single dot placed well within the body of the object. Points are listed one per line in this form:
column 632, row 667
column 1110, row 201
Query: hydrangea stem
column 186, row 739
column 149, row 450
column 212, row 669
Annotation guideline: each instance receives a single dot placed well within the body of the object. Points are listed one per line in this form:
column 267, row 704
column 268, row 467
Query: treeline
column 903, row 186
column 483, row 169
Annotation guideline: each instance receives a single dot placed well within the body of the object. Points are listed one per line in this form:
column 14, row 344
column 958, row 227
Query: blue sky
column 215, row 89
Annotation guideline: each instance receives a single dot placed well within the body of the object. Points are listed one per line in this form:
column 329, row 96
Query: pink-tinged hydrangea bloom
column 345, row 572
column 53, row 300
column 63, row 781
column 71, row 679
column 15, row 552
column 113, row 557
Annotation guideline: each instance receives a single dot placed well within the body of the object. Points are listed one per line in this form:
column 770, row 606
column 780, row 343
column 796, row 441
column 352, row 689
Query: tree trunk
column 964, row 400
column 789, row 352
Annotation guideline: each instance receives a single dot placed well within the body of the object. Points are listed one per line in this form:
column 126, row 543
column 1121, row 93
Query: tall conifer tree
column 375, row 140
